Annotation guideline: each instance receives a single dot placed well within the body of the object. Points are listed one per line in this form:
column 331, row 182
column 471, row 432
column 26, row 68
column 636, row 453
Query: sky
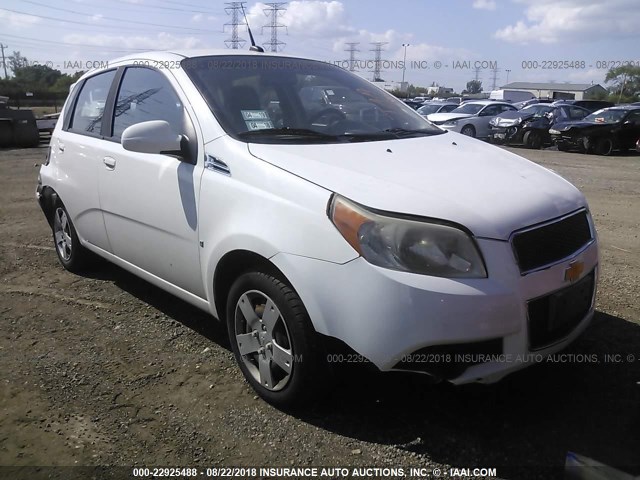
column 514, row 40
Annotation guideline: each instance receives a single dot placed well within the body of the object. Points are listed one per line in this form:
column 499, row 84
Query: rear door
column 149, row 201
column 77, row 147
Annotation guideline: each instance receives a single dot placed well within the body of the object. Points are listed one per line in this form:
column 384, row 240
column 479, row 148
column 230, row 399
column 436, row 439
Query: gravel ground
column 105, row 369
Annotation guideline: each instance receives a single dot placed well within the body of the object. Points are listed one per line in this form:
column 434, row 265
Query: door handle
column 109, row 162
column 61, row 146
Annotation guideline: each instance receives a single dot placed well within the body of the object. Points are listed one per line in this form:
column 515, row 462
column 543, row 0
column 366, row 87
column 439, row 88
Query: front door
column 149, row 201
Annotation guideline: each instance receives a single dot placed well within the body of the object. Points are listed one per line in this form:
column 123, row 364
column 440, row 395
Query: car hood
column 490, row 191
column 442, row 117
column 564, row 126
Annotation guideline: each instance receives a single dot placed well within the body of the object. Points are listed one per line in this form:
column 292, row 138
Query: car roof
column 440, row 102
column 624, row 107
column 487, row 102
column 180, row 54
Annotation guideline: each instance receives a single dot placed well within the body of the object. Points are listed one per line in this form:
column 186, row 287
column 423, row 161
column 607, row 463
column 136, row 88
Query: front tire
column 273, row 339
column 72, row 255
column 532, row 139
column 469, row 131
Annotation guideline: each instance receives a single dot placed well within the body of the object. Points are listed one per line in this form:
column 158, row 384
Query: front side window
column 288, row 100
column 144, row 95
column 470, row 108
column 89, row 109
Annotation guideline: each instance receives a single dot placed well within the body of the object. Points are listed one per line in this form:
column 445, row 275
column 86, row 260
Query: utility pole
column 378, row 60
column 234, row 9
column 273, row 12
column 404, row 66
column 508, row 72
column 494, row 78
column 4, row 62
column 352, row 54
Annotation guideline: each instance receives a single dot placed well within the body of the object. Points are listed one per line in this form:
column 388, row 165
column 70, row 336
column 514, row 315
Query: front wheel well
column 230, row 267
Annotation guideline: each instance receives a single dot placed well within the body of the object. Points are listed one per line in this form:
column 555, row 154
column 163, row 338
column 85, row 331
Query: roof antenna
column 253, row 47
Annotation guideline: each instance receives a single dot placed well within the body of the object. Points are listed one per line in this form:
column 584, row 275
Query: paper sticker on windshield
column 259, row 125
column 599, row 119
column 255, row 115
column 330, row 92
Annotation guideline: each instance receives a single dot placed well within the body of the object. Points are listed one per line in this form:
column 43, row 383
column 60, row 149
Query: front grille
column 451, row 360
column 552, row 317
column 550, row 243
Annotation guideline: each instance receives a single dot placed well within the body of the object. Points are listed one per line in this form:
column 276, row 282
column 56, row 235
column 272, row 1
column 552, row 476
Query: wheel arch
column 48, row 199
column 233, row 264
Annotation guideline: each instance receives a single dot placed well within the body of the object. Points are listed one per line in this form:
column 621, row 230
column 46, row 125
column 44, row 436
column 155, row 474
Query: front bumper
column 511, row 134
column 388, row 316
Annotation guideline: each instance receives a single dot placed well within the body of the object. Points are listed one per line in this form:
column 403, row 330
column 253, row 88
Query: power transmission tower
column 477, row 77
column 235, row 9
column 494, row 78
column 378, row 60
column 352, row 54
column 4, row 62
column 274, row 11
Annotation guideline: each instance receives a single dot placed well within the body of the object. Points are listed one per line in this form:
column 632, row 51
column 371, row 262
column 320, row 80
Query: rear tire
column 604, row 146
column 72, row 255
column 273, row 340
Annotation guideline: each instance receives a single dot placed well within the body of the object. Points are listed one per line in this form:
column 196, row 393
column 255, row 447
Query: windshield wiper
column 286, row 131
column 404, row 132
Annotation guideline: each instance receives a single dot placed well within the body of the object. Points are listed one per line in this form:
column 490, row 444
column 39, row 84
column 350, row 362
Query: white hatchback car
column 305, row 230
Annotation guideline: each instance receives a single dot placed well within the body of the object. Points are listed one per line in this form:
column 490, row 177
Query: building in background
column 559, row 91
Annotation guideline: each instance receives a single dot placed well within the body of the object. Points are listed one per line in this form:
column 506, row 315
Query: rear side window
column 89, row 109
column 144, row 95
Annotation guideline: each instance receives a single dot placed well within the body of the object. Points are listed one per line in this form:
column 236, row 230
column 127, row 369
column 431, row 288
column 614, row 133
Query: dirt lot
column 105, row 369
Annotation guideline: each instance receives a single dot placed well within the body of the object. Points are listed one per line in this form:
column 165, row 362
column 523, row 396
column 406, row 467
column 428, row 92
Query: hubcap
column 263, row 340
column 62, row 233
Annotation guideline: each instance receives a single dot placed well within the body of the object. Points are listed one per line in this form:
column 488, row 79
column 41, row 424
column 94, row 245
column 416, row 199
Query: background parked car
column 412, row 104
column 591, row 105
column 602, row 132
column 530, row 126
column 471, row 118
column 47, row 123
column 436, row 107
column 526, row 103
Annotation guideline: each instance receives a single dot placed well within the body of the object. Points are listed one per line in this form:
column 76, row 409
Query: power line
column 378, row 60
column 273, row 12
column 234, row 9
column 34, row 40
column 106, row 18
column 352, row 54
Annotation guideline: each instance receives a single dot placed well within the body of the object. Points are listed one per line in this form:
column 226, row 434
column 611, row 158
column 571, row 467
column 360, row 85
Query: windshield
column 537, row 109
column 606, row 116
column 282, row 100
column 471, row 108
column 429, row 109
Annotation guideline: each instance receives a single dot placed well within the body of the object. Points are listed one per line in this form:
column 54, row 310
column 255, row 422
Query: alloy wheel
column 62, row 234
column 263, row 340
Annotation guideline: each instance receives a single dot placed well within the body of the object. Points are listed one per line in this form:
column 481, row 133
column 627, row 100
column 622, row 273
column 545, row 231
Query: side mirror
column 154, row 136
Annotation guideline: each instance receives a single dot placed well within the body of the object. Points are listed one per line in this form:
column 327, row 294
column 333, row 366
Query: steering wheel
column 327, row 117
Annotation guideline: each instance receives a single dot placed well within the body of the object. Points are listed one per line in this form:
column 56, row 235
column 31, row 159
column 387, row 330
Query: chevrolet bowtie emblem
column 573, row 271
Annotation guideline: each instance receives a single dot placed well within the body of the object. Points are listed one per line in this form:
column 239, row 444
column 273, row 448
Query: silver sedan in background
column 471, row 118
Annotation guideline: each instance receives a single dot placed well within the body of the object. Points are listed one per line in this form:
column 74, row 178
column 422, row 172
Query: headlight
column 450, row 123
column 554, row 132
column 407, row 245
